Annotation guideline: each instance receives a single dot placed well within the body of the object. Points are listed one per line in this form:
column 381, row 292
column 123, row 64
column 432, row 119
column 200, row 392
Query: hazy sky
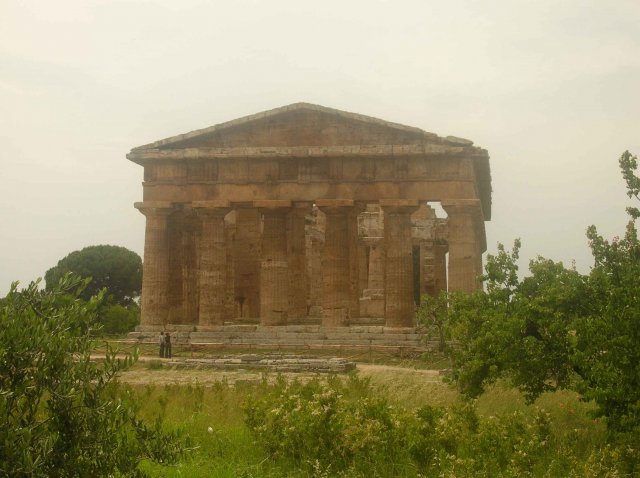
column 551, row 88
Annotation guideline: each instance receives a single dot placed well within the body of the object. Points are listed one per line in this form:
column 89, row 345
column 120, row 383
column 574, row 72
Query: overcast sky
column 550, row 88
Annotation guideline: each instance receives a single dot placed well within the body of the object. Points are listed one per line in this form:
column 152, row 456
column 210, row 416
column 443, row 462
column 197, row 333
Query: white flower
column 210, row 430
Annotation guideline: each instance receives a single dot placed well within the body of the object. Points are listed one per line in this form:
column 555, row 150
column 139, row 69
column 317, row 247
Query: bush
column 317, row 426
column 329, row 429
column 60, row 413
column 116, row 319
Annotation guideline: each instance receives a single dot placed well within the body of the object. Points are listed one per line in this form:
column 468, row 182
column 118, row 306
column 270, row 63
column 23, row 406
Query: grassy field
column 210, row 406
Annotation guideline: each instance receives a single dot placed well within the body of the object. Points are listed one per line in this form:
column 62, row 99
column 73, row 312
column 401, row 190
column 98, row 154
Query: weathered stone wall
column 307, row 214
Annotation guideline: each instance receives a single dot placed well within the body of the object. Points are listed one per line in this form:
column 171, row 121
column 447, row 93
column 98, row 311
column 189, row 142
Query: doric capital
column 211, row 208
column 466, row 213
column 335, row 206
column 399, row 206
column 272, row 204
column 462, row 206
column 155, row 208
column 302, row 205
column 334, row 203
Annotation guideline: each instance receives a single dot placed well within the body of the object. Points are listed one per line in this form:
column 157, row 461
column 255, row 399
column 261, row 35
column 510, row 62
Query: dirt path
column 369, row 368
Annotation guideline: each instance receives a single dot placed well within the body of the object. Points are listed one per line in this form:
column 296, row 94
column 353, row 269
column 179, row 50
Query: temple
column 308, row 215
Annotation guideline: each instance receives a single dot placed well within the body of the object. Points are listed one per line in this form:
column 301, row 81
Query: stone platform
column 273, row 362
column 371, row 337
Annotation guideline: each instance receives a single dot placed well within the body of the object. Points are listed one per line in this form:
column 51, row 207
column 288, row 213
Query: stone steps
column 292, row 336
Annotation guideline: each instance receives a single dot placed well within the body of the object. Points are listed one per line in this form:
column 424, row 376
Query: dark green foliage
column 558, row 328
column 329, row 430
column 608, row 340
column 116, row 319
column 455, row 441
column 115, row 268
column 60, row 413
column 433, row 313
column 629, row 165
column 517, row 329
column 317, row 425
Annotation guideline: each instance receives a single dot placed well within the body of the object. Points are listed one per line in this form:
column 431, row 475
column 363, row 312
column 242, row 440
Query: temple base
column 292, row 337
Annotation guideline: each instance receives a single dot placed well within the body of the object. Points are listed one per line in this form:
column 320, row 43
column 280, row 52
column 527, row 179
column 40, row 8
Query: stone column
column 372, row 301
column 229, row 238
column 355, row 249
column 427, row 267
column 399, row 306
column 190, row 233
column 155, row 274
column 315, row 246
column 440, row 267
column 299, row 280
column 335, row 262
column 212, row 263
column 274, row 268
column 465, row 244
column 246, row 251
column 376, row 262
column 176, row 258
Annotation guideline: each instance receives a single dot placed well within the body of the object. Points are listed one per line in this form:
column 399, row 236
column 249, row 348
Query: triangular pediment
column 299, row 124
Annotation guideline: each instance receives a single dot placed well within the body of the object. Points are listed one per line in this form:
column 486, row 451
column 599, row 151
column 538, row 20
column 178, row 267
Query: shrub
column 454, row 441
column 316, row 426
column 116, row 319
column 60, row 413
column 328, row 429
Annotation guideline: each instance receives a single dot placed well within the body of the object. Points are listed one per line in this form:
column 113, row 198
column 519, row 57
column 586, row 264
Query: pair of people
column 165, row 345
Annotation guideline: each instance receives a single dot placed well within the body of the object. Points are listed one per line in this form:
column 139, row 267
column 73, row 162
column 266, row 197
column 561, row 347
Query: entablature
column 310, row 146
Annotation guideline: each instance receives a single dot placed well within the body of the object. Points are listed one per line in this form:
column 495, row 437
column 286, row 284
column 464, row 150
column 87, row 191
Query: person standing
column 167, row 345
column 161, row 341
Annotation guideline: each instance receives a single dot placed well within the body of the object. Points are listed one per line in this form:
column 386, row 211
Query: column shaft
column 299, row 280
column 315, row 246
column 440, row 267
column 176, row 259
column 372, row 300
column 399, row 306
column 376, row 263
column 465, row 256
column 230, row 302
column 274, row 270
column 355, row 249
column 336, row 267
column 212, row 268
column 155, row 275
column 190, row 270
column 246, row 250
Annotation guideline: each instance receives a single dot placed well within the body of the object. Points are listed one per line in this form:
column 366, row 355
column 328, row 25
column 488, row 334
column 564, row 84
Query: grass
column 225, row 451
column 198, row 400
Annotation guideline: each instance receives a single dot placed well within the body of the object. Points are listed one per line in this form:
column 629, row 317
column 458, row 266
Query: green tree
column 116, row 319
column 557, row 328
column 115, row 268
column 608, row 340
column 62, row 414
column 517, row 329
column 433, row 315
column 629, row 165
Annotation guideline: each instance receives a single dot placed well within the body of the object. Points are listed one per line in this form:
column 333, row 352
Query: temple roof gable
column 303, row 124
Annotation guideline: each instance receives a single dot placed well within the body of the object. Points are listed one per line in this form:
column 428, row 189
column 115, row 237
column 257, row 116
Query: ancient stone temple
column 308, row 215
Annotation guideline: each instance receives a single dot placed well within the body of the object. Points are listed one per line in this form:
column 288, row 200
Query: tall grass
column 228, row 444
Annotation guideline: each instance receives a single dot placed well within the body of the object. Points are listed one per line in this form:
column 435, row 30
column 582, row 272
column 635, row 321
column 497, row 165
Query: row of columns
column 282, row 259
